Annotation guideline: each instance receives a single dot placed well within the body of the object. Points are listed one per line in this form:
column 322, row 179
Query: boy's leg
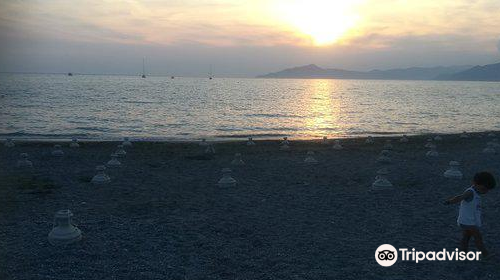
column 464, row 243
column 478, row 240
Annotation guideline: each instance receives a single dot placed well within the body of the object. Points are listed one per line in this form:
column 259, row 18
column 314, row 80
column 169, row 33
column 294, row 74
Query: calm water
column 108, row 107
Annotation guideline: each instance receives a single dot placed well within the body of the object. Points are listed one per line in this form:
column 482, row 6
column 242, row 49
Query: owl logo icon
column 386, row 255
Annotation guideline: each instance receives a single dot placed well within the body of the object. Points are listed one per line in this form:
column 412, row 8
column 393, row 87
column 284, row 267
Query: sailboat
column 210, row 76
column 143, row 69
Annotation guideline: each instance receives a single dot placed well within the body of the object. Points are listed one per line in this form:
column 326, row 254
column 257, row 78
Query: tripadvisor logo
column 387, row 255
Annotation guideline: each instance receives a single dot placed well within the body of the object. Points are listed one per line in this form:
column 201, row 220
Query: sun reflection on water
column 323, row 107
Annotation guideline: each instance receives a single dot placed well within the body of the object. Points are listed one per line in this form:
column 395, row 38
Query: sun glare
column 324, row 22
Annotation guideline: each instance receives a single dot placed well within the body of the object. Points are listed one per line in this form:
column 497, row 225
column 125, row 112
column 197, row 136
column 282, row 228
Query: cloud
column 238, row 23
column 237, row 37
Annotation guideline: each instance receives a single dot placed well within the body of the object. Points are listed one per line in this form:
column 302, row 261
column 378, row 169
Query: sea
column 109, row 107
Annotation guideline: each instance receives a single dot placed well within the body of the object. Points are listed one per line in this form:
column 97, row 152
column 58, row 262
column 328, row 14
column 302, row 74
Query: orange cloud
column 372, row 23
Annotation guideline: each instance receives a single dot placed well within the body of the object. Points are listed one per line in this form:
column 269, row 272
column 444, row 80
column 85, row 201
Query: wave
column 95, row 128
column 142, row 102
column 254, row 135
column 274, row 116
column 42, row 135
column 375, row 133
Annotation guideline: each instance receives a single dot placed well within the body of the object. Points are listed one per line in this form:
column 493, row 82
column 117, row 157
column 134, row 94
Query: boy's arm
column 465, row 196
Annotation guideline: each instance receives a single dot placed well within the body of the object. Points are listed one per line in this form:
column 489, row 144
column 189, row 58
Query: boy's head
column 483, row 182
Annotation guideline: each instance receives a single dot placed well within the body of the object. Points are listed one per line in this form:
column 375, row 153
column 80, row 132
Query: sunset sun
column 321, row 21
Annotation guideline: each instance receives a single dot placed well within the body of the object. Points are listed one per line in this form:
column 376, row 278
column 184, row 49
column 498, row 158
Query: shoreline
column 236, row 138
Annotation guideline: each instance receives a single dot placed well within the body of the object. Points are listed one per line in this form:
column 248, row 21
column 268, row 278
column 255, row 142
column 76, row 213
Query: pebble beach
column 163, row 215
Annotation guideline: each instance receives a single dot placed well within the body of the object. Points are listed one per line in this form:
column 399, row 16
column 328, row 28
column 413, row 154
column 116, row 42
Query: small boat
column 143, row 69
column 70, row 74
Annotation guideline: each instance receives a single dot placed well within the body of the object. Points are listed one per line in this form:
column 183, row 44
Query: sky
column 244, row 38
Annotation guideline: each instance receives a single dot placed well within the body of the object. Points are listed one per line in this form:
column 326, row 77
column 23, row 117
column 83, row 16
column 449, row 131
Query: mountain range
column 490, row 72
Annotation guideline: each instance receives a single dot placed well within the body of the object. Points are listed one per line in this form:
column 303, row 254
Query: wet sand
column 163, row 216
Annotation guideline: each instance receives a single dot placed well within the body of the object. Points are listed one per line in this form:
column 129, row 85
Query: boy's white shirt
column 469, row 212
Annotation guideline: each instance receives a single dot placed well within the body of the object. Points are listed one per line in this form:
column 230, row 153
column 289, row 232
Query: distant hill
column 312, row 71
column 490, row 72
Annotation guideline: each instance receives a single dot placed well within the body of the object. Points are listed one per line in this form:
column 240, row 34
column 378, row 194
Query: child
column 469, row 215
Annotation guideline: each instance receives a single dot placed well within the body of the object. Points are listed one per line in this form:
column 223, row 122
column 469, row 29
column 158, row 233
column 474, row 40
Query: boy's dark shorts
column 468, row 227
